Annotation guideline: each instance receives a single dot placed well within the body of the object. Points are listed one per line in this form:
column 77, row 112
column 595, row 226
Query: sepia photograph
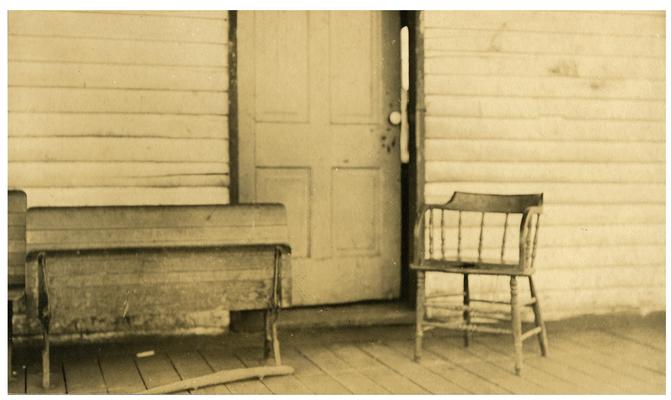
column 364, row 201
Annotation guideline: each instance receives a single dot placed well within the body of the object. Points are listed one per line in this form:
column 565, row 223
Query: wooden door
column 315, row 92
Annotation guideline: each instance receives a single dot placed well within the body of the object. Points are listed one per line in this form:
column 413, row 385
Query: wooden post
column 517, row 324
column 419, row 332
column 46, row 372
column 267, row 334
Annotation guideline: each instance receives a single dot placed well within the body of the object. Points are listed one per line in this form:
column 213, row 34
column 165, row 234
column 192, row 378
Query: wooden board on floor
column 652, row 337
column 17, row 383
column 376, row 371
column 316, row 380
column 555, row 369
column 121, row 374
column 190, row 364
column 632, row 378
column 157, row 370
column 221, row 359
column 419, row 374
column 475, row 383
column 288, row 384
column 83, row 375
column 34, row 379
column 354, row 381
column 623, row 349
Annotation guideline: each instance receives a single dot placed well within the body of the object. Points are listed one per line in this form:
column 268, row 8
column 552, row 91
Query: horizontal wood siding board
column 543, row 129
column 111, row 149
column 111, row 174
column 533, row 65
column 23, row 99
column 101, row 76
column 570, row 104
column 527, row 107
column 209, row 14
column 117, row 125
column 554, row 235
column 101, row 51
column 125, row 196
column 593, row 23
column 501, row 40
column 634, row 194
column 565, row 172
column 546, row 87
column 115, row 26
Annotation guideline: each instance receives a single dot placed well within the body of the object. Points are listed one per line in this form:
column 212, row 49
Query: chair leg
column 542, row 336
column 467, row 312
column 419, row 331
column 516, row 324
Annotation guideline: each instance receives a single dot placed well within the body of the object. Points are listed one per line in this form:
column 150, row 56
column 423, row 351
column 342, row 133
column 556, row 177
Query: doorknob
column 395, row 118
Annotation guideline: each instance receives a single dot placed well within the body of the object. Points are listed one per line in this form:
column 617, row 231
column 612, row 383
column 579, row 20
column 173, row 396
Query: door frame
column 412, row 193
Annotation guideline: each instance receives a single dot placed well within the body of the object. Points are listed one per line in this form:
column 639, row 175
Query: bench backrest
column 16, row 236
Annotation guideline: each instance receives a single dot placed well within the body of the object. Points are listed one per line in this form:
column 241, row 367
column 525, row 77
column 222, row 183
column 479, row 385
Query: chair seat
column 472, row 266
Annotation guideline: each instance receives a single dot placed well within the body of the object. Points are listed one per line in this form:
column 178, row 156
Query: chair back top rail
column 497, row 203
column 137, row 227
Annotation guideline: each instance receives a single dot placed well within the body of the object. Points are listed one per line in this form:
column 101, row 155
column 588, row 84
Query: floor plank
column 287, row 384
column 157, row 370
column 555, row 370
column 83, row 375
column 625, row 350
column 551, row 383
column 222, row 359
column 652, row 337
column 328, row 362
column 121, row 374
column 34, row 377
column 190, row 364
column 316, row 380
column 376, row 371
column 473, row 382
column 588, row 362
column 417, row 373
column 502, row 377
column 17, row 382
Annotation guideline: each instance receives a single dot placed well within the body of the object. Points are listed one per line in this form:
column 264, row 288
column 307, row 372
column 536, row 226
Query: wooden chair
column 440, row 247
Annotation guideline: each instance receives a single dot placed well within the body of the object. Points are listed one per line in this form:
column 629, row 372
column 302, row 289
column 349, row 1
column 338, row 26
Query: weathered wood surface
column 16, row 236
column 155, row 266
column 146, row 92
column 379, row 359
column 137, row 227
column 566, row 103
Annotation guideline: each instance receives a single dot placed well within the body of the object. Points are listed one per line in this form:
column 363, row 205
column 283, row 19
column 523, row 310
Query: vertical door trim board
column 233, row 150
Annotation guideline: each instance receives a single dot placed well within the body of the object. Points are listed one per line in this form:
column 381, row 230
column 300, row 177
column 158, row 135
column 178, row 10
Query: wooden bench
column 92, row 267
column 16, row 246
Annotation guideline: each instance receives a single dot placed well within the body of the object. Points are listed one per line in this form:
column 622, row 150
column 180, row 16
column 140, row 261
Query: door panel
column 314, row 96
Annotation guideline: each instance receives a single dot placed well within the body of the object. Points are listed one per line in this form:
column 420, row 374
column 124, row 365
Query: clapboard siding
column 571, row 104
column 114, row 108
column 529, row 65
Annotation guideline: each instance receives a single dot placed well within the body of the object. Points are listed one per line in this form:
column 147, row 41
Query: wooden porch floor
column 375, row 360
